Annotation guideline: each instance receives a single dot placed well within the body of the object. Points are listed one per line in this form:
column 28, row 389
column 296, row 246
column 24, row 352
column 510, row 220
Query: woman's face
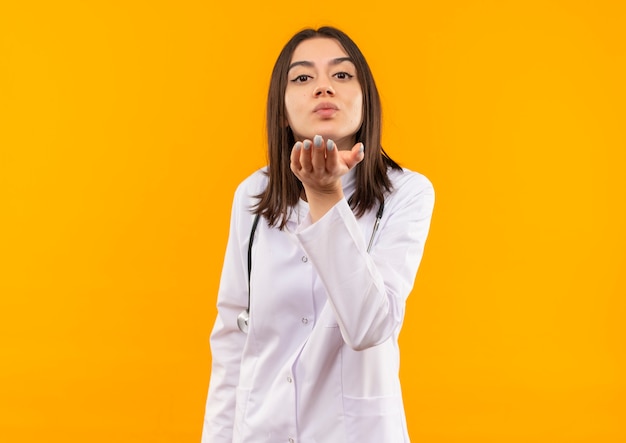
column 323, row 94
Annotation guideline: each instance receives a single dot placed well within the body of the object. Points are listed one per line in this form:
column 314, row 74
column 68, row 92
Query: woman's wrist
column 322, row 200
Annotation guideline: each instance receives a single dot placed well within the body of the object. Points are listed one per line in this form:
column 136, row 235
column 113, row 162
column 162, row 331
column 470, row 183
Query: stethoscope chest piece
column 242, row 321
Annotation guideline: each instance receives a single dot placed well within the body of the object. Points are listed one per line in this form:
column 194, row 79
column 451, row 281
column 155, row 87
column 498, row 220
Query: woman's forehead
column 318, row 49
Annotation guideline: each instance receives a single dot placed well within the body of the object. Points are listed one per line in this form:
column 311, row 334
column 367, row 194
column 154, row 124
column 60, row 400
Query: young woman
column 305, row 344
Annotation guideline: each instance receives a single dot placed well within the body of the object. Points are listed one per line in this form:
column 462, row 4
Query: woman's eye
column 301, row 78
column 343, row 75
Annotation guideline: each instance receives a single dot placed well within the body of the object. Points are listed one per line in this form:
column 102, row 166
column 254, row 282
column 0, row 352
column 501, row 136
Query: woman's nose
column 324, row 89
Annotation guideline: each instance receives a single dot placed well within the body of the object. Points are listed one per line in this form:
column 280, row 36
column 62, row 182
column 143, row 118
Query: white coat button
column 289, row 379
column 291, row 440
column 305, row 259
column 305, row 320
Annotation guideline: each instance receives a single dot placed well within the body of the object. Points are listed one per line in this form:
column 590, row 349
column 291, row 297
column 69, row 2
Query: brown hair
column 283, row 188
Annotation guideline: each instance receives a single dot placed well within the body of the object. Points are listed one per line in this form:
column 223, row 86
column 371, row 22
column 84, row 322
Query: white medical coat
column 320, row 361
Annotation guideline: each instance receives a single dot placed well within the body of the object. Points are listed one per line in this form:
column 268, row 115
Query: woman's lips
column 326, row 112
column 325, row 109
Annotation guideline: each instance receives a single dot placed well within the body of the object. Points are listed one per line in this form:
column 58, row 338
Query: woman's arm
column 227, row 341
column 368, row 291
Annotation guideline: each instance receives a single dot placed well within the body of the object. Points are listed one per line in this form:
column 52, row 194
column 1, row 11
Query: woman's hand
column 319, row 165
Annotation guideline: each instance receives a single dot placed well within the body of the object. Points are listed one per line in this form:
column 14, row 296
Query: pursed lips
column 323, row 106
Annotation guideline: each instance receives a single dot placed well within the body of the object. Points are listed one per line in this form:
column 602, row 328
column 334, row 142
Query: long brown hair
column 283, row 189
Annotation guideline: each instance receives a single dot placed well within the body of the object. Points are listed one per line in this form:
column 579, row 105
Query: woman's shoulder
column 254, row 184
column 248, row 190
column 411, row 192
column 409, row 180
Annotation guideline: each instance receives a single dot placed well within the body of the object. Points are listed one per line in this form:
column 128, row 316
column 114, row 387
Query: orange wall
column 125, row 129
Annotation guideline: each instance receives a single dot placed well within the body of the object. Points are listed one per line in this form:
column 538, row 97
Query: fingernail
column 330, row 144
column 297, row 146
column 307, row 144
column 362, row 148
column 317, row 141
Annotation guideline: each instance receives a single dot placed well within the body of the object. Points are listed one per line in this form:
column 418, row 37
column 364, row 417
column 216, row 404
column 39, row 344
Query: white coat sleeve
column 368, row 291
column 227, row 341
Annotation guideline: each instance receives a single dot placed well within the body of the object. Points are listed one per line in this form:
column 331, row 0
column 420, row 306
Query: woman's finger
column 295, row 157
column 305, row 156
column 318, row 154
column 354, row 156
column 332, row 157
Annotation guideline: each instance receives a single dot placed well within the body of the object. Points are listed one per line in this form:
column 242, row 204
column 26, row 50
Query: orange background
column 124, row 130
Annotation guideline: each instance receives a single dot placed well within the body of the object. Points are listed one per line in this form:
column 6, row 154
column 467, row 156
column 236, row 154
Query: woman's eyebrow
column 309, row 64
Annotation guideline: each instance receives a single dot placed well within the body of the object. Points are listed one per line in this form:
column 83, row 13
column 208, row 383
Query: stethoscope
column 244, row 317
